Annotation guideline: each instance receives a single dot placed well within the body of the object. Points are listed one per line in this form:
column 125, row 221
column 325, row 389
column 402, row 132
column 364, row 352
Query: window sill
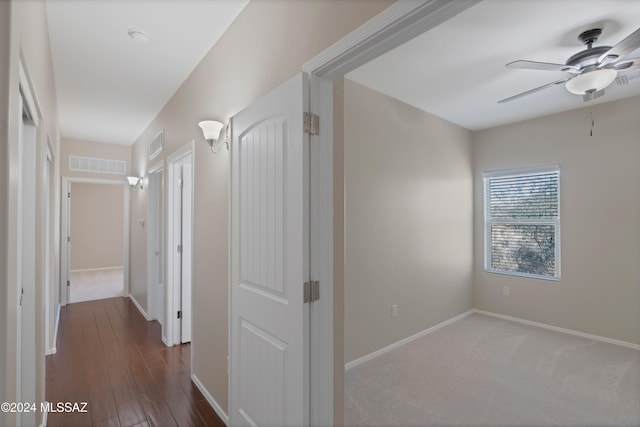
column 528, row 276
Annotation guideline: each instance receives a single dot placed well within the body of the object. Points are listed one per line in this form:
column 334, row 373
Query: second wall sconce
column 211, row 131
column 135, row 182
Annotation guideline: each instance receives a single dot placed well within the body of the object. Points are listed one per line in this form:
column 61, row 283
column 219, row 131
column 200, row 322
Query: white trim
column 404, row 341
column 407, row 340
column 81, row 270
column 28, row 94
column 54, row 350
column 165, row 341
column 44, row 420
column 321, row 251
column 561, row 330
column 216, row 407
column 135, row 302
column 394, row 26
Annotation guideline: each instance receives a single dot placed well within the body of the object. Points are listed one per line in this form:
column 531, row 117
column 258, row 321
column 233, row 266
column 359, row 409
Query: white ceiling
column 456, row 70
column 109, row 88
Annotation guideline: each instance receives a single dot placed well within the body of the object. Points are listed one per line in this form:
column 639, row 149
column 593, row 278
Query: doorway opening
column 96, row 263
column 95, row 232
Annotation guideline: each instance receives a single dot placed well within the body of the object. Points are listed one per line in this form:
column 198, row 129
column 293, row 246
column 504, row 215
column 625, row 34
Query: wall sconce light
column 211, row 131
column 135, row 183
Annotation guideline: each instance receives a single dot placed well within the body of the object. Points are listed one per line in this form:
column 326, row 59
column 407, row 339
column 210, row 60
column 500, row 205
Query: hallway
column 109, row 356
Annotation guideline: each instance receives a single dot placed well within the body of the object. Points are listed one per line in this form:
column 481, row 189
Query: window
column 522, row 222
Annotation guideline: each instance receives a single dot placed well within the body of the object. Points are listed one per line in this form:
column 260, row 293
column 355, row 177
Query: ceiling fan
column 591, row 70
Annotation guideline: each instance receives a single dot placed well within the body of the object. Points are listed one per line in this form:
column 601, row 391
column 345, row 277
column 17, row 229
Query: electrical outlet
column 506, row 291
column 394, row 310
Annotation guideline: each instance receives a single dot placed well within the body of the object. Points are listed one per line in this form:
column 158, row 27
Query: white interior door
column 179, row 245
column 156, row 264
column 66, row 285
column 187, row 204
column 176, row 255
column 269, row 383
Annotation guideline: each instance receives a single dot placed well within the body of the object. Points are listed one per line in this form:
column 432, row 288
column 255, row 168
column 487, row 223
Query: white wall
column 599, row 289
column 408, row 185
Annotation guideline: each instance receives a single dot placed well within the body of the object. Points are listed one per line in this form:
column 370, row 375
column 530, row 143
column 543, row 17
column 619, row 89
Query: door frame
column 171, row 328
column 399, row 23
column 48, row 280
column 155, row 222
column 30, row 238
column 65, row 225
column 22, row 98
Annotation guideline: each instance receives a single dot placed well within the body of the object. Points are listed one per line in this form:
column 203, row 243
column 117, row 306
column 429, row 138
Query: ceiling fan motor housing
column 587, row 59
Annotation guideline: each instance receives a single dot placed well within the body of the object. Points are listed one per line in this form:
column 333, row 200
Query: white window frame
column 488, row 221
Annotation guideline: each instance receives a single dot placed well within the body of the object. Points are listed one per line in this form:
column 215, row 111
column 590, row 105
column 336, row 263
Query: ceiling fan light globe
column 591, row 81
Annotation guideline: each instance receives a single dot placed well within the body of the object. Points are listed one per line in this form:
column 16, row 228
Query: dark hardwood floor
column 109, row 356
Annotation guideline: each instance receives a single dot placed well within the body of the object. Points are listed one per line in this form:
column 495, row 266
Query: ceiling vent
column 90, row 164
column 156, row 145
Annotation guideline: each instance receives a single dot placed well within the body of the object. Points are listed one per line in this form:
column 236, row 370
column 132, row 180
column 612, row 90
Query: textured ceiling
column 110, row 88
column 456, row 70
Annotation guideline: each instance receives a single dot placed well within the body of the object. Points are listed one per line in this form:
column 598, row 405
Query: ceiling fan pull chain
column 592, row 121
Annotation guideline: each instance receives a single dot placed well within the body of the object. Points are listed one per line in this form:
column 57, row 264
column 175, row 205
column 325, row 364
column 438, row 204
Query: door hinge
column 69, row 195
column 311, row 291
column 179, row 249
column 311, row 124
column 179, row 314
column 68, row 239
column 68, row 282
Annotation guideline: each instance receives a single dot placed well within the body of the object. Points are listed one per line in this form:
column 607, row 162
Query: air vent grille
column 156, row 145
column 90, row 164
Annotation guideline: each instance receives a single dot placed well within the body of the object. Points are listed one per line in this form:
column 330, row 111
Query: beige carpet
column 96, row 284
column 483, row 371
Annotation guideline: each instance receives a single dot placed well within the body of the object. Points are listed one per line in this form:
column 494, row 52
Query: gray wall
column 266, row 45
column 26, row 34
column 599, row 289
column 97, row 226
column 408, row 184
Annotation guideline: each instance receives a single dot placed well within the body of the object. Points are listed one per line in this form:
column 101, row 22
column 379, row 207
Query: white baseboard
column 82, row 270
column 224, row 417
column 54, row 350
column 404, row 341
column 561, row 330
column 44, row 420
column 144, row 313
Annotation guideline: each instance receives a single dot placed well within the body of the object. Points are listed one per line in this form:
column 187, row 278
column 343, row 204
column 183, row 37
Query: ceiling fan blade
column 625, row 47
column 545, row 66
column 626, row 64
column 529, row 92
